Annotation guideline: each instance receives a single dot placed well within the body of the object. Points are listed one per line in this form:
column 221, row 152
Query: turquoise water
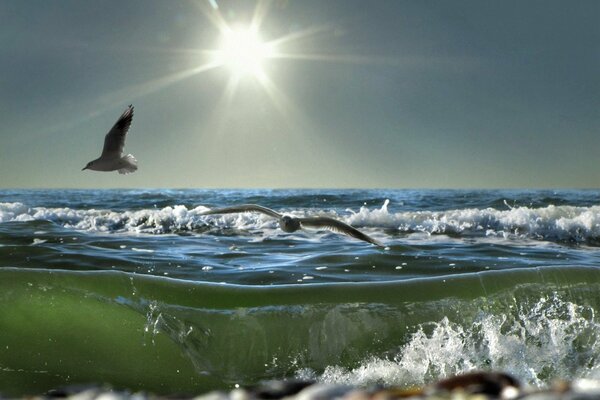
column 137, row 289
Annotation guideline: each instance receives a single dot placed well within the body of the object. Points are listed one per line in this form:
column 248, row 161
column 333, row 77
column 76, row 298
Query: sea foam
column 552, row 339
column 568, row 223
column 554, row 223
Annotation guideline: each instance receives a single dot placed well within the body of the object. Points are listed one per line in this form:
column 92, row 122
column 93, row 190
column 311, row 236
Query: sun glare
column 243, row 52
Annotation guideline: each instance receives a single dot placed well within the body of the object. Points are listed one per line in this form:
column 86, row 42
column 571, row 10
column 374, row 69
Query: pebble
column 470, row 386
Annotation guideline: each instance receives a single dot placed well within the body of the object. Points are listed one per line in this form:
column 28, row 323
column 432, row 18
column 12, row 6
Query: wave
column 556, row 223
column 540, row 342
column 165, row 220
column 563, row 223
column 127, row 329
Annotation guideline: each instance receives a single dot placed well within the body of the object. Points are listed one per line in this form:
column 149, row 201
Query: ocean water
column 136, row 289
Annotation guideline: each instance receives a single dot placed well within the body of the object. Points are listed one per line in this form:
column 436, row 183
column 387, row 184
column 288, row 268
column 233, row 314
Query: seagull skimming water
column 112, row 158
column 292, row 224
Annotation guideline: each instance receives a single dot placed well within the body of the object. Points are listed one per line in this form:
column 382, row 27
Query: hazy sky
column 350, row 93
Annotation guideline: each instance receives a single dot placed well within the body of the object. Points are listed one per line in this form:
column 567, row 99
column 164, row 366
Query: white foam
column 167, row 219
column 552, row 339
column 9, row 211
column 551, row 222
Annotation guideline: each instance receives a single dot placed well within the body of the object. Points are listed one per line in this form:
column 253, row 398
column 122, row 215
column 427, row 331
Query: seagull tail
column 131, row 164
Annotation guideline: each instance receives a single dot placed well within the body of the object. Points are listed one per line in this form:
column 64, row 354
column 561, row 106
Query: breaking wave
column 199, row 335
column 539, row 342
column 553, row 223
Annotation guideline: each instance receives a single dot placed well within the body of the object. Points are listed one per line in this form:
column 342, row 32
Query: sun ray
column 340, row 58
column 127, row 94
column 260, row 12
column 224, row 103
column 303, row 34
column 133, row 92
column 213, row 14
column 283, row 104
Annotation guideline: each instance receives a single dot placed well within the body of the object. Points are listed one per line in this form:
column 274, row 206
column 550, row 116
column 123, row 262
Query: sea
column 138, row 290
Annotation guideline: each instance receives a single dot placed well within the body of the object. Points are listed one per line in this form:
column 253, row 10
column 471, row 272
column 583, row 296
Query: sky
column 303, row 93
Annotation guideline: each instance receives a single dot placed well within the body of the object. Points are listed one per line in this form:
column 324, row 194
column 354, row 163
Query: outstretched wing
column 114, row 142
column 244, row 208
column 337, row 226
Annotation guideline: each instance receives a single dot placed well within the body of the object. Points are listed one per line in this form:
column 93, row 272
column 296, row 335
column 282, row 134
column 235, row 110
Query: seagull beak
column 84, row 168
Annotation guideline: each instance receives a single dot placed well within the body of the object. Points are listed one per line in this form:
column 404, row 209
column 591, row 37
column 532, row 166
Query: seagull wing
column 244, row 208
column 337, row 226
column 114, row 142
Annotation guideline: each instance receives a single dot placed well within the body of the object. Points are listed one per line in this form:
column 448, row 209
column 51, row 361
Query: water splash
column 538, row 344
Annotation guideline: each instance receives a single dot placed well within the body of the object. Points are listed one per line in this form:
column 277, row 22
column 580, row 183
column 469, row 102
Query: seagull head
column 87, row 166
column 289, row 224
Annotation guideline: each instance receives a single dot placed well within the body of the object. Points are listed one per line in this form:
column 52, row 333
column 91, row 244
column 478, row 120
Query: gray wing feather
column 337, row 226
column 244, row 208
column 114, row 141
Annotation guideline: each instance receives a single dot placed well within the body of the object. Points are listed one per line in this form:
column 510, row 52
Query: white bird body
column 112, row 158
column 124, row 165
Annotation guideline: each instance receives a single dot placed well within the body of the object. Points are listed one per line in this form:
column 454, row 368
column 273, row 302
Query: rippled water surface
column 138, row 289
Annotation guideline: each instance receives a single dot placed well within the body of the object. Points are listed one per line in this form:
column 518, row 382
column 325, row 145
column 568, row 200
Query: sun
column 243, row 52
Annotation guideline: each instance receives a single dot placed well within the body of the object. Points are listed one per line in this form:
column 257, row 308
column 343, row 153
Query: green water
column 170, row 336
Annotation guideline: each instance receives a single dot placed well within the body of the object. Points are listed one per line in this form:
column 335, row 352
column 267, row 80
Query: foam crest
column 540, row 343
column 155, row 221
column 10, row 211
column 165, row 220
column 554, row 223
column 563, row 223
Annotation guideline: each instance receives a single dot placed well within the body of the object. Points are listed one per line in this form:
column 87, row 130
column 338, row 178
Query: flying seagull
column 292, row 224
column 112, row 157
